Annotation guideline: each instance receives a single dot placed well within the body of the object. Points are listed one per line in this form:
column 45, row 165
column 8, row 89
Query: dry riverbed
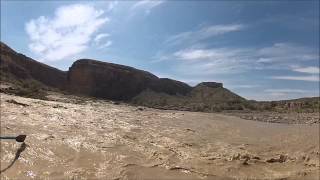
column 95, row 139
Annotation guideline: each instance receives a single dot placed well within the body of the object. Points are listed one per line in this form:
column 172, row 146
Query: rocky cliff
column 107, row 80
column 118, row 82
column 18, row 67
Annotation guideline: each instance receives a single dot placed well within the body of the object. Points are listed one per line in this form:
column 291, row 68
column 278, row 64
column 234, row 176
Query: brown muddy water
column 101, row 140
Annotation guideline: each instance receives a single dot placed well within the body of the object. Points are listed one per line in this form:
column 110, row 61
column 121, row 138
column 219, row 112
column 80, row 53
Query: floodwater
column 97, row 139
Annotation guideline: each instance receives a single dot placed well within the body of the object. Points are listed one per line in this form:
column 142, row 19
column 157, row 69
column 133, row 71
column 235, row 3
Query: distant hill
column 201, row 98
column 118, row 82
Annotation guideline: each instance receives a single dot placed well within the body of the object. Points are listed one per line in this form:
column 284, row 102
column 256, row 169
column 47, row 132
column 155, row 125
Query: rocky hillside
column 109, row 81
column 16, row 67
column 202, row 97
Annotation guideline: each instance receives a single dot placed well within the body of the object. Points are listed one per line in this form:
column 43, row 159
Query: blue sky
column 263, row 50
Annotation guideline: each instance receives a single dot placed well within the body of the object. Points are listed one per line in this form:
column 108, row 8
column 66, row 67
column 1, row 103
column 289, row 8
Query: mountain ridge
column 11, row 61
column 124, row 83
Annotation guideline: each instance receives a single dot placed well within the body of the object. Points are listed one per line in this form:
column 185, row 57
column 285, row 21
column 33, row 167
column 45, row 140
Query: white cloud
column 100, row 42
column 297, row 78
column 286, row 90
column 146, row 5
column 197, row 54
column 212, row 61
column 243, row 86
column 280, row 56
column 309, row 70
column 105, row 45
column 66, row 34
column 277, row 94
column 209, row 54
column 286, row 52
column 192, row 37
column 99, row 37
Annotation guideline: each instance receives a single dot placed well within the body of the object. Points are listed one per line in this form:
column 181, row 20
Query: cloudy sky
column 261, row 50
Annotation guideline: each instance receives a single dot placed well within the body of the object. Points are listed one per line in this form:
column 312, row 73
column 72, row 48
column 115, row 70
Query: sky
column 261, row 50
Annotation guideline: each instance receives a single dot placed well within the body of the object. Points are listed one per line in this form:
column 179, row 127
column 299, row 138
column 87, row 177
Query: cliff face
column 107, row 80
column 20, row 67
column 118, row 82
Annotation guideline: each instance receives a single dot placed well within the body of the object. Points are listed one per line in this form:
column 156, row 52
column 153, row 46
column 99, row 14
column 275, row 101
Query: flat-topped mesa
column 211, row 84
column 117, row 82
column 107, row 80
column 103, row 64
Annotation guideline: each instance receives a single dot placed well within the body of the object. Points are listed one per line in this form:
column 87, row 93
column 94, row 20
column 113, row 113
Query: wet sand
column 101, row 140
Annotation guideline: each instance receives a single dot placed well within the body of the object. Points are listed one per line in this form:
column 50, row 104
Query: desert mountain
column 103, row 80
column 118, row 82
